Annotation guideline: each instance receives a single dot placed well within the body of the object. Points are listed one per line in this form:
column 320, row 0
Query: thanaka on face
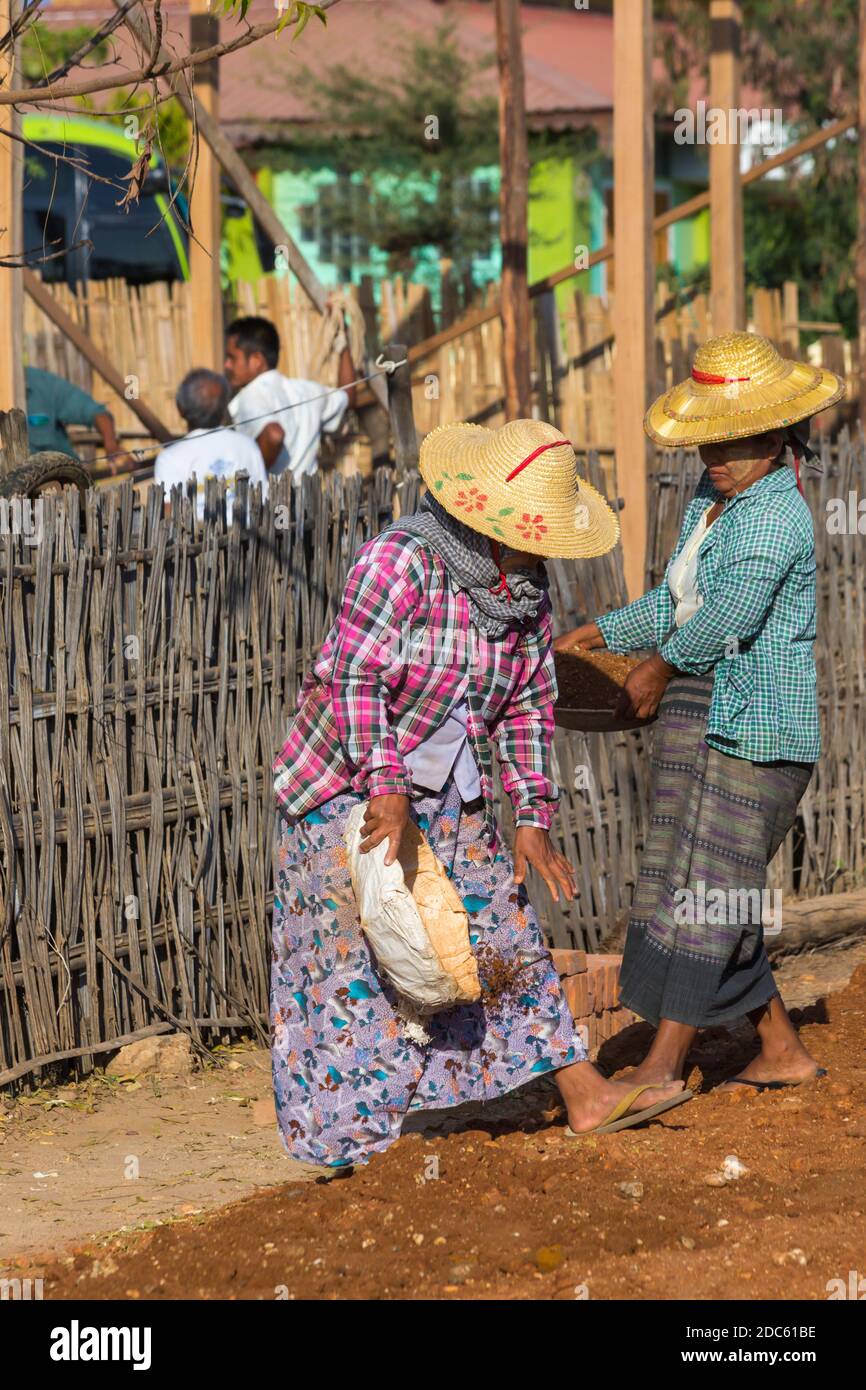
column 734, row 464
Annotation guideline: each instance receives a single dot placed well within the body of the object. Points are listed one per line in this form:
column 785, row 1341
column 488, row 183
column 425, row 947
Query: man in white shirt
column 286, row 416
column 211, row 449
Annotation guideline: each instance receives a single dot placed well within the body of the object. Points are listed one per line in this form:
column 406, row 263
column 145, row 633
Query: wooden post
column 633, row 320
column 205, row 213
column 401, row 412
column 727, row 282
column 14, row 444
column 11, row 291
column 513, row 213
column 861, row 216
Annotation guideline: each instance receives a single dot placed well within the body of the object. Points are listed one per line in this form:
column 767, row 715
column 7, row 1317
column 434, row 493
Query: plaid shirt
column 401, row 655
column 755, row 627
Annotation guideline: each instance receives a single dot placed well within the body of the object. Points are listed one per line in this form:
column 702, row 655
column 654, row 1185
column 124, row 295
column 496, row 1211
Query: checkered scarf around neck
column 494, row 605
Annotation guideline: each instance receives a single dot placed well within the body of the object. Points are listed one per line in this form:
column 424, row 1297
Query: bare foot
column 589, row 1112
column 794, row 1067
column 651, row 1073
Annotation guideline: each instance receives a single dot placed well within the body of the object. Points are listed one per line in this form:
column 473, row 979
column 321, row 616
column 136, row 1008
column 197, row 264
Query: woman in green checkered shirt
column 732, row 676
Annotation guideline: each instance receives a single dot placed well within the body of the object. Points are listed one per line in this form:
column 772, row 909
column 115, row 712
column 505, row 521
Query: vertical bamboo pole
column 11, row 283
column 633, row 163
column 204, row 250
column 727, row 284
column 513, row 212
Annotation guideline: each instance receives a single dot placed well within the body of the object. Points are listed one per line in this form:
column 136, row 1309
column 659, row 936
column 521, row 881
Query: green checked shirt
column 756, row 624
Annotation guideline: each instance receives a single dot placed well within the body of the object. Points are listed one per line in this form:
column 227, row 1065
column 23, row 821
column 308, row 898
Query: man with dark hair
column 286, row 416
column 211, row 449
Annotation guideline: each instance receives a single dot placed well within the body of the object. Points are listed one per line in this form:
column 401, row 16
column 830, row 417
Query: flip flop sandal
column 620, row 1119
column 774, row 1085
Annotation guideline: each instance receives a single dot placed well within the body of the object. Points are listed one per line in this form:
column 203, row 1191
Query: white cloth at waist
column 445, row 753
column 683, row 574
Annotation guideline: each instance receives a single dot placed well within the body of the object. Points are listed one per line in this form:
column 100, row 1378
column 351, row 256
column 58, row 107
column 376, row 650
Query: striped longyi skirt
column 695, row 950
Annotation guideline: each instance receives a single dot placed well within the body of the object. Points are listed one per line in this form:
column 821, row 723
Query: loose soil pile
column 509, row 1207
column 591, row 680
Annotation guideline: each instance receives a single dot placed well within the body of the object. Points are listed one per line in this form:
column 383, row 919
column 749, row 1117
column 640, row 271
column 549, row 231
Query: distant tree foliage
column 413, row 149
column 801, row 57
column 417, row 152
column 43, row 49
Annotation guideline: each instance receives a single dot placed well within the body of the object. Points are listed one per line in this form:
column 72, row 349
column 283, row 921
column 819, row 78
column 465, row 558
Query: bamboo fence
column 148, row 665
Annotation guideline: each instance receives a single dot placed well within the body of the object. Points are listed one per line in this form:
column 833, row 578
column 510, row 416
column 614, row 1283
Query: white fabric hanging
column 683, row 574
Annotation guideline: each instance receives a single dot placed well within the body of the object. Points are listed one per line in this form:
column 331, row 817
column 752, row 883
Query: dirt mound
column 509, row 1207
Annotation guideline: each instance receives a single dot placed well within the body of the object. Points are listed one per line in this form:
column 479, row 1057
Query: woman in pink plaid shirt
column 442, row 644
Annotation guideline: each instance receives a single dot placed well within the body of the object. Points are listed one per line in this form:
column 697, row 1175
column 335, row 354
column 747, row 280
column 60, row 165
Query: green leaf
column 467, row 477
column 438, row 484
column 299, row 14
column 287, row 16
column 506, row 511
column 498, row 529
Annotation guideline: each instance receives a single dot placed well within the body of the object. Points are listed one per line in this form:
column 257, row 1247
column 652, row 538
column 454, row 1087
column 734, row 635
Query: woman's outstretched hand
column 385, row 819
column 644, row 688
column 532, row 845
column 587, row 636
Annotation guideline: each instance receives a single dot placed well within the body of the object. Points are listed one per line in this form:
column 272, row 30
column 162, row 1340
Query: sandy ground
column 79, row 1161
column 494, row 1202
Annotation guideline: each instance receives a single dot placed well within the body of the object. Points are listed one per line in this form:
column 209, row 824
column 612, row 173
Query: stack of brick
column 590, row 984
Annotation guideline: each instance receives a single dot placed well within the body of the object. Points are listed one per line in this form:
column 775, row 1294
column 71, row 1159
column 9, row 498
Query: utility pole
column 513, row 213
column 11, row 181
column 205, row 217
column 727, row 270
column 633, row 321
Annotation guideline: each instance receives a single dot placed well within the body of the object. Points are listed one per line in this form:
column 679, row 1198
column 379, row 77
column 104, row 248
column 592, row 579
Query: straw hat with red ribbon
column 518, row 485
column 739, row 386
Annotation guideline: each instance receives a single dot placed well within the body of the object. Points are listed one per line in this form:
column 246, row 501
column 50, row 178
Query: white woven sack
column 393, row 926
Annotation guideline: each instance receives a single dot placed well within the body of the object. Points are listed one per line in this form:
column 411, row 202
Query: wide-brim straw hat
column 739, row 386
column 518, row 485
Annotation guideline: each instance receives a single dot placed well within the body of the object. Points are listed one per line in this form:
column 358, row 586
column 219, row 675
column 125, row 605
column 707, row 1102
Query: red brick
column 604, row 973
column 569, row 962
column 621, row 1018
column 576, row 991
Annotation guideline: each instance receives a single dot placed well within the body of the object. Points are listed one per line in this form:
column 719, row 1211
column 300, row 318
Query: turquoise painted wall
column 566, row 210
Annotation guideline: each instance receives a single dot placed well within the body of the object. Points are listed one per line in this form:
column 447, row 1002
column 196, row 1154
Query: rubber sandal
column 619, row 1119
column 774, row 1085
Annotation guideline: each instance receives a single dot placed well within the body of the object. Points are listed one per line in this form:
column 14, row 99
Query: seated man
column 285, row 416
column 53, row 403
column 211, row 449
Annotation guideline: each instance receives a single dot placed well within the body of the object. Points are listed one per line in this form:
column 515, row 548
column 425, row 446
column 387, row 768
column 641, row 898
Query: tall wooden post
column 513, row 212
column 861, row 216
column 11, row 285
column 401, row 411
column 634, row 178
column 727, row 283
column 204, row 246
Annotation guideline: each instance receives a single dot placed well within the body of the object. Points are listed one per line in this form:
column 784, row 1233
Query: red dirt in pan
column 511, row 1208
column 591, row 680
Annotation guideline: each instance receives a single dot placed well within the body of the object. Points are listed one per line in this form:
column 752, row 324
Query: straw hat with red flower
column 518, row 485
